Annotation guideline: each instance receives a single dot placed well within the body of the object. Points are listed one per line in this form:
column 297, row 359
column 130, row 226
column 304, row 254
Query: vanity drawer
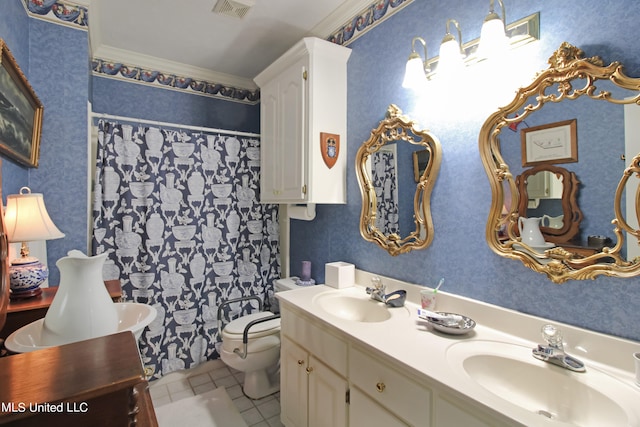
column 397, row 392
column 327, row 347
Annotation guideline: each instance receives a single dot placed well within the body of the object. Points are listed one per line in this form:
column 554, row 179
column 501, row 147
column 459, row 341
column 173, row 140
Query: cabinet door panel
column 327, row 396
column 269, row 153
column 363, row 411
column 292, row 133
column 293, row 384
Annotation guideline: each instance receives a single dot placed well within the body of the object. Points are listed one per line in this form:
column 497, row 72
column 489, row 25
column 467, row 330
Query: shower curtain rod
column 175, row 125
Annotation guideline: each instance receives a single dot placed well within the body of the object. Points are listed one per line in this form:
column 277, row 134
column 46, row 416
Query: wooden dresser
column 97, row 382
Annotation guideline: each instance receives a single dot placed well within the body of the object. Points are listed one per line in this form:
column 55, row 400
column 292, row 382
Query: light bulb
column 414, row 75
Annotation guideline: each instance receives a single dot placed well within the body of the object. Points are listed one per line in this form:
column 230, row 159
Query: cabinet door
column 269, row 153
column 293, row 384
column 283, row 128
column 327, row 396
column 293, row 137
column 363, row 411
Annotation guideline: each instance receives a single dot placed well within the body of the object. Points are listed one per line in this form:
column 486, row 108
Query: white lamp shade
column 414, row 75
column 26, row 218
column 493, row 41
column 451, row 60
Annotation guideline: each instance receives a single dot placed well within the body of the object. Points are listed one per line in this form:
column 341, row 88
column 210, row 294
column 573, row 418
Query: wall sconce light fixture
column 451, row 53
column 496, row 37
column 493, row 37
column 416, row 70
column 26, row 219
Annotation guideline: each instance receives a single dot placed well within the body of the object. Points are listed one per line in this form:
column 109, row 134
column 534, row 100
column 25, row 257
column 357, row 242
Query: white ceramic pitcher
column 530, row 231
column 552, row 221
column 82, row 307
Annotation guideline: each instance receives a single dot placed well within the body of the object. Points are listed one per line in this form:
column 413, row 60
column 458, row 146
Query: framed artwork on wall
column 550, row 143
column 20, row 113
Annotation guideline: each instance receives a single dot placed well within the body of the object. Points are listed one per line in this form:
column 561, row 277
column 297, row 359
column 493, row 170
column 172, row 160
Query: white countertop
column 413, row 344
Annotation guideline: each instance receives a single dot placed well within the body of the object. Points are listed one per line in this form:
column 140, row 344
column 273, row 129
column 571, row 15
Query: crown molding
column 344, row 13
column 154, row 63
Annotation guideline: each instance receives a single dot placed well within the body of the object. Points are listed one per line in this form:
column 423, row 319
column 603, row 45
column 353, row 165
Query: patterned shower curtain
column 385, row 182
column 178, row 213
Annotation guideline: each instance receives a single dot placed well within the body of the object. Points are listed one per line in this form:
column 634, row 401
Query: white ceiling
column 187, row 38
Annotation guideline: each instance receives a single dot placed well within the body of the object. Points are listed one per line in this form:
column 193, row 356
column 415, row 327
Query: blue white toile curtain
column 178, row 212
column 385, row 181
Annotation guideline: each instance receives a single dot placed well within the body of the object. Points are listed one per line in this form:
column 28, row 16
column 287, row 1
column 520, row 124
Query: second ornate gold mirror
column 396, row 212
column 568, row 129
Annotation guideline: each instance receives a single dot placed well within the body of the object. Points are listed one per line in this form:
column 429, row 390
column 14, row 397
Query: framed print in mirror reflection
column 420, row 162
column 20, row 113
column 550, row 143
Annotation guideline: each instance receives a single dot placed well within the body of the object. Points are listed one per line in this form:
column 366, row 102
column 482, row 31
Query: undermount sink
column 355, row 305
column 511, row 373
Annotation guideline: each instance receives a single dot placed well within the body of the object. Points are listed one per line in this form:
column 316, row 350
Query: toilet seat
column 262, row 336
column 234, row 329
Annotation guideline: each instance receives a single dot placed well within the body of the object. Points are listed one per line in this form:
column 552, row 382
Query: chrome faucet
column 377, row 290
column 554, row 353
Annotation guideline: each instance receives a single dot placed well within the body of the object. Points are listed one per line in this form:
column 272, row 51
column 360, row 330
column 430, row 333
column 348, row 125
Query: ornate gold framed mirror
column 597, row 97
column 393, row 204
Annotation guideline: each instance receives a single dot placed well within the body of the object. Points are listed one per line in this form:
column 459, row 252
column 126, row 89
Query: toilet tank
column 280, row 285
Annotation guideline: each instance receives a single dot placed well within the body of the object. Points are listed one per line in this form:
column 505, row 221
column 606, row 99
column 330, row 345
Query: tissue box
column 339, row 274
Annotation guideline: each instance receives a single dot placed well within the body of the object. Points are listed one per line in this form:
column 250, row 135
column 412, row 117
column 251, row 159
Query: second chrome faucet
column 553, row 351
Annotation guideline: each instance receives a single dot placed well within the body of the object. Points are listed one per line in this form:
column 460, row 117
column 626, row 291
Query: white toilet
column 261, row 366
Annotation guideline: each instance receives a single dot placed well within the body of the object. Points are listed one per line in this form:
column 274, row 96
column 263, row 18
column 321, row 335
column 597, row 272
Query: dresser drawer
column 389, row 387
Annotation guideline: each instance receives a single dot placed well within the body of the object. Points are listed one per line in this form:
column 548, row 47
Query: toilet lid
column 236, row 327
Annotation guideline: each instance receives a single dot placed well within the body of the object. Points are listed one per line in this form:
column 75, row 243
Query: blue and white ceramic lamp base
column 25, row 278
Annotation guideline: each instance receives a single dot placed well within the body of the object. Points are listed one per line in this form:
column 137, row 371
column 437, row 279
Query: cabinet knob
column 380, row 387
column 309, row 370
column 300, row 362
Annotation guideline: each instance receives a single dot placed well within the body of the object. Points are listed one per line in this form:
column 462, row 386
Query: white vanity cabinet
column 303, row 94
column 313, row 387
column 329, row 379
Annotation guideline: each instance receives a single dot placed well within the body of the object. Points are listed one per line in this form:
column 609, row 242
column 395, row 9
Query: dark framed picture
column 420, row 163
column 20, row 113
column 550, row 143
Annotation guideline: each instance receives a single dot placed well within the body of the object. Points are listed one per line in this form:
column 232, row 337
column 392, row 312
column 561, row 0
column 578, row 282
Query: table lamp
column 26, row 220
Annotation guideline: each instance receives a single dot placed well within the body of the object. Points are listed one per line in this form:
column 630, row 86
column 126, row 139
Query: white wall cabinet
column 303, row 94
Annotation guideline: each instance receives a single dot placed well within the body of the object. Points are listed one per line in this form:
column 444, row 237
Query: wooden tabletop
column 44, row 299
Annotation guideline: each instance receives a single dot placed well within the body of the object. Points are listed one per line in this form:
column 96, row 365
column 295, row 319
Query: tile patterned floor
column 264, row 412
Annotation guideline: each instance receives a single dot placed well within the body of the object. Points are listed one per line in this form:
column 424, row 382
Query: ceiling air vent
column 234, row 8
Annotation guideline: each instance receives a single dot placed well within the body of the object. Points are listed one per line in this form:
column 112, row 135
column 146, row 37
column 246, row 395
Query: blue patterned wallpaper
column 460, row 200
column 54, row 59
column 14, row 29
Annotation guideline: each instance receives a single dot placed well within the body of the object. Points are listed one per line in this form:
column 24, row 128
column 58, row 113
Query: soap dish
column 464, row 327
